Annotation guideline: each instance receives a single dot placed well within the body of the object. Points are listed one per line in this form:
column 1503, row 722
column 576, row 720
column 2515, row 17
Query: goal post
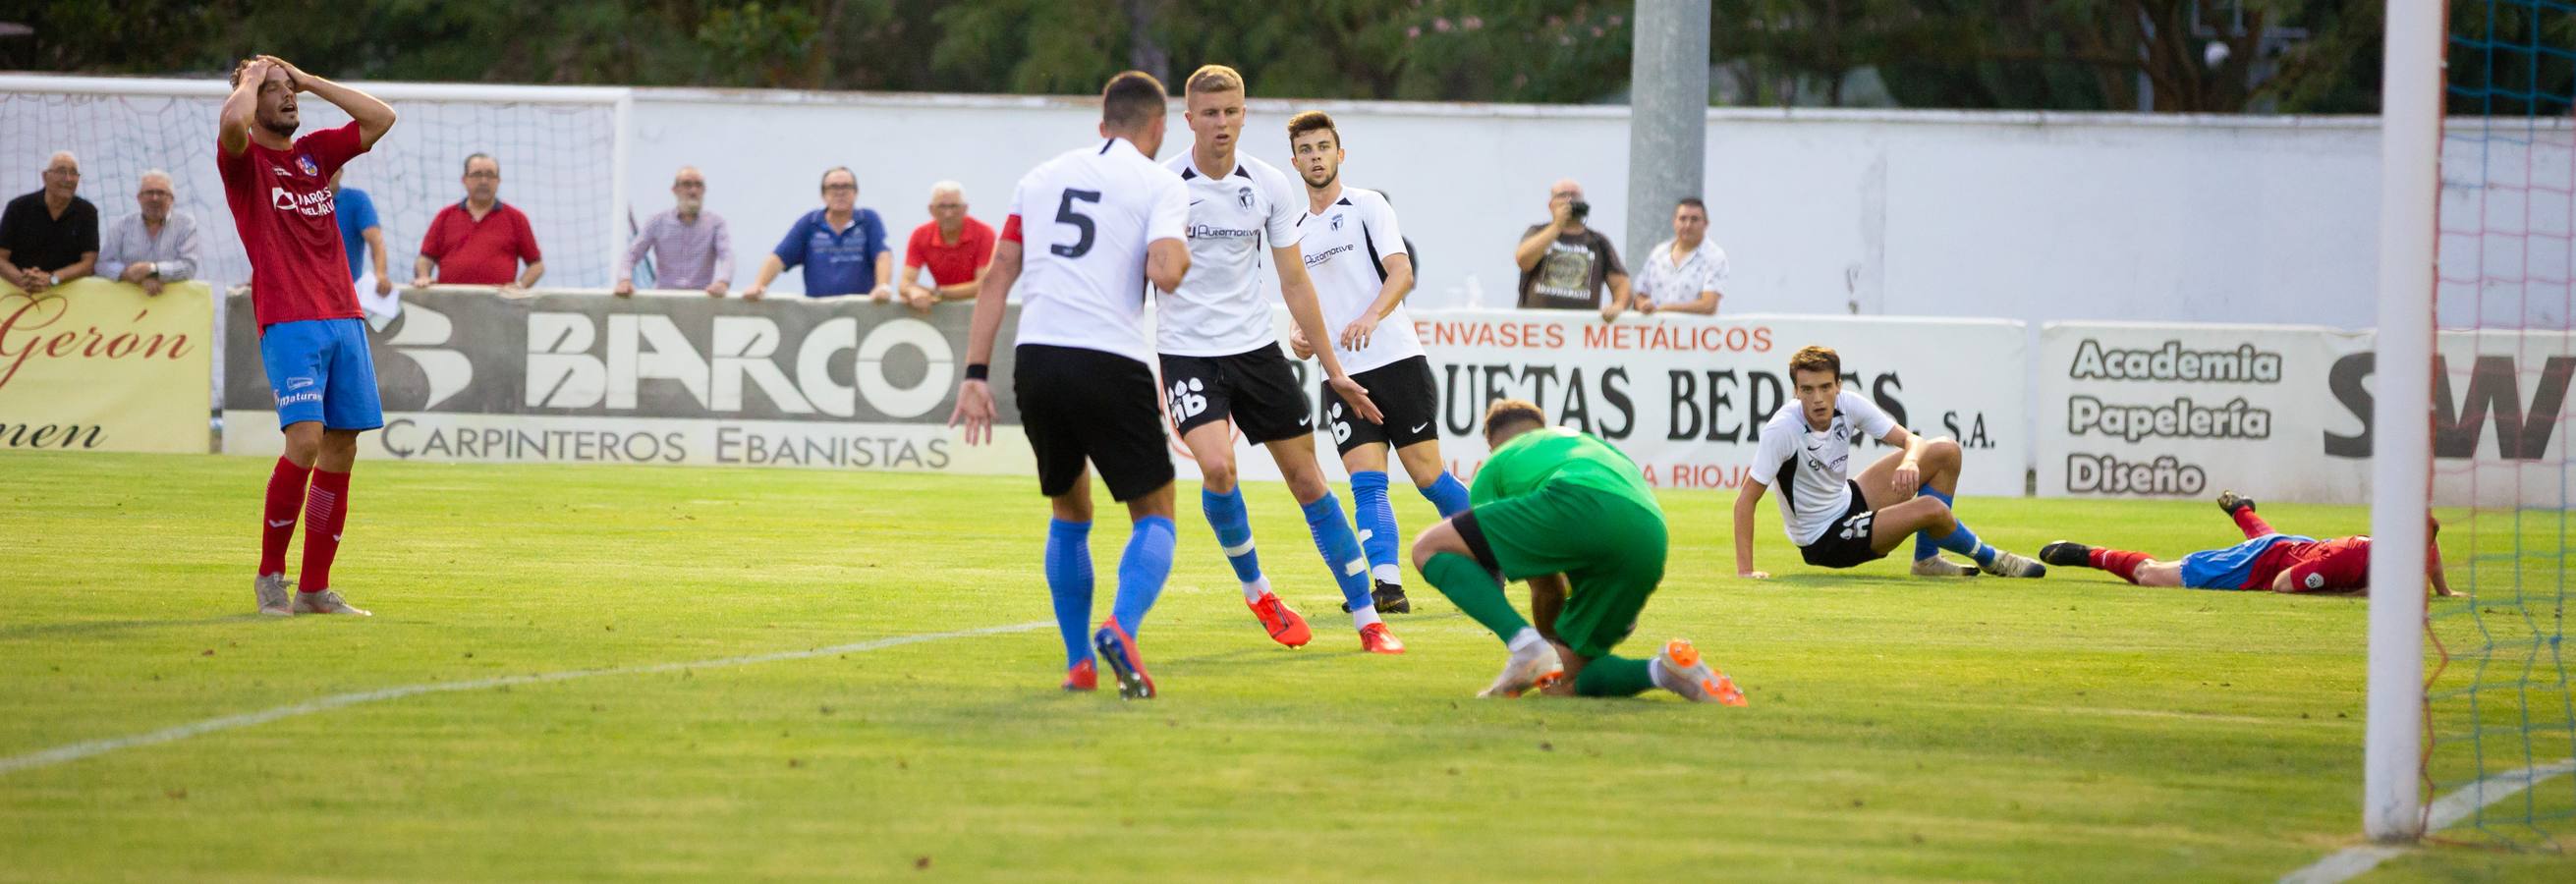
column 2401, row 468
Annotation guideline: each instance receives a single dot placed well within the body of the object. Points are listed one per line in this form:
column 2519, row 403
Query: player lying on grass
column 1572, row 516
column 1841, row 522
column 2267, row 559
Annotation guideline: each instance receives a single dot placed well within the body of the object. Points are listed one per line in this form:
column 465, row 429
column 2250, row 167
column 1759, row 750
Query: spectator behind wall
column 843, row 247
column 693, row 248
column 49, row 237
column 480, row 240
column 362, row 236
column 1682, row 274
column 955, row 247
column 155, row 245
column 1565, row 265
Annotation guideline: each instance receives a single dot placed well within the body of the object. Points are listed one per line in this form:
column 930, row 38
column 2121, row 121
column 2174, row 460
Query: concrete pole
column 1667, row 119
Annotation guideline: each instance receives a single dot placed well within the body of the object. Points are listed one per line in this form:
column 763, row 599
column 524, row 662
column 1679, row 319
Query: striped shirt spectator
column 152, row 246
column 691, row 247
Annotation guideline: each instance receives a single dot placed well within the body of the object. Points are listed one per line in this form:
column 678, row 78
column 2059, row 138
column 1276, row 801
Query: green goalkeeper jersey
column 1557, row 454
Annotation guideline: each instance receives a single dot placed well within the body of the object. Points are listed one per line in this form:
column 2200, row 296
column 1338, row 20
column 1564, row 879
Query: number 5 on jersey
column 1065, row 214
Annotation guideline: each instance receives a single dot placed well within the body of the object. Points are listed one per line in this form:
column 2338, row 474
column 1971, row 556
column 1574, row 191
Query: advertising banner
column 843, row 383
column 2284, row 412
column 1686, row 396
column 97, row 365
column 468, row 375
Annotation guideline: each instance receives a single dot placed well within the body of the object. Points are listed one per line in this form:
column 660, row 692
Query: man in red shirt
column 482, row 240
column 312, row 340
column 2267, row 559
column 953, row 245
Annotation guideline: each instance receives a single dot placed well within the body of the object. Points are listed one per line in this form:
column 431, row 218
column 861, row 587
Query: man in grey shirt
column 152, row 246
column 693, row 247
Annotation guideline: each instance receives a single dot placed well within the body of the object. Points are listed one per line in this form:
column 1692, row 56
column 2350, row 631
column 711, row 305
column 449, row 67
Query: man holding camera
column 1565, row 265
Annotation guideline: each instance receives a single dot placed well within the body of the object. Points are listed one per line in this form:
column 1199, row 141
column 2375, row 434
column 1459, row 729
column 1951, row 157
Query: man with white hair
column 693, row 247
column 154, row 245
column 955, row 247
column 49, row 237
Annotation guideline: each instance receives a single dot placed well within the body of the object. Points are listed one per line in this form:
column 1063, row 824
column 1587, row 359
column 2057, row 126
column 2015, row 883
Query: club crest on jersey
column 305, row 162
column 1243, row 197
column 1337, row 220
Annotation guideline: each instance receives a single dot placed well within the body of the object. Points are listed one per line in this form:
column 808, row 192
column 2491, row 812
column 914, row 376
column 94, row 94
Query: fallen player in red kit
column 2267, row 559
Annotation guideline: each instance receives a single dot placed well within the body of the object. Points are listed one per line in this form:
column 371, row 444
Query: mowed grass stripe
column 1901, row 729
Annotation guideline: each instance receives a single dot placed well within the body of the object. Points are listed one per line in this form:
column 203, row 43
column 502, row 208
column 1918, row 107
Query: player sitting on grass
column 2267, row 559
column 1572, row 516
column 1841, row 522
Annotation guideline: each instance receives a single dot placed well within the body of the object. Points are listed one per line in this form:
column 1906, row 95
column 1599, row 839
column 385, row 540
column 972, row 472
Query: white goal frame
column 2411, row 93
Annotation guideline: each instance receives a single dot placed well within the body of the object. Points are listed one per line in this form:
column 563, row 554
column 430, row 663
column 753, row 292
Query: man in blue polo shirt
column 843, row 247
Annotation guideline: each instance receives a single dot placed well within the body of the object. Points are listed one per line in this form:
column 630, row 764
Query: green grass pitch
column 2067, row 729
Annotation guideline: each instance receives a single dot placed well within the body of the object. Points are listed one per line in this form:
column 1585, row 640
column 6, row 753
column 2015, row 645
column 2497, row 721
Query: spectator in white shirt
column 1683, row 274
column 152, row 246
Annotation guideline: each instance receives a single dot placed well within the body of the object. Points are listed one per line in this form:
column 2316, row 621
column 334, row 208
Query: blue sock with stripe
column 1926, row 545
column 1233, row 525
column 1446, row 494
column 1341, row 550
column 1961, row 540
column 1068, row 575
column 1141, row 571
column 1375, row 516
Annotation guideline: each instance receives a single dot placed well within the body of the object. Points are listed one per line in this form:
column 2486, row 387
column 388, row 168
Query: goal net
column 2481, row 421
column 561, row 151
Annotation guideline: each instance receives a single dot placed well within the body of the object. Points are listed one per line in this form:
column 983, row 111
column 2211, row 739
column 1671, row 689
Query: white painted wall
column 2034, row 217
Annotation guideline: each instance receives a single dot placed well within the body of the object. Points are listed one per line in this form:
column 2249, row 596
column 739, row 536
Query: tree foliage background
column 2033, row 54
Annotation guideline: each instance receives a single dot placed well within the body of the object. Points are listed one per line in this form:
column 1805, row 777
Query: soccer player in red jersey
column 311, row 337
column 2267, row 559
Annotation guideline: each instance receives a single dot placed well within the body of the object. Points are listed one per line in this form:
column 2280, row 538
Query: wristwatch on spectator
column 53, row 279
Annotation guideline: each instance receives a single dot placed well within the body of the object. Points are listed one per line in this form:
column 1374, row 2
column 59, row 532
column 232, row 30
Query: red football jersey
column 281, row 202
column 2336, row 565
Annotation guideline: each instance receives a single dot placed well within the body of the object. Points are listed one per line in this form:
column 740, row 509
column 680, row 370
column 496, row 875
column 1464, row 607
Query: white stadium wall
column 2022, row 216
column 2032, row 217
column 2220, row 233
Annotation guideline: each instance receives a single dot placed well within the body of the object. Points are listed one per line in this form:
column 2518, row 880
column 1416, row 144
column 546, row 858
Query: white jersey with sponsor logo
column 1346, row 247
column 1236, row 217
column 1811, row 471
column 1083, row 220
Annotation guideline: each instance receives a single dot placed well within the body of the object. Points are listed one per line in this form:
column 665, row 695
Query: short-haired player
column 1223, row 369
column 1356, row 254
column 1573, row 516
column 312, row 339
column 1087, row 231
column 1839, row 520
column 2267, row 559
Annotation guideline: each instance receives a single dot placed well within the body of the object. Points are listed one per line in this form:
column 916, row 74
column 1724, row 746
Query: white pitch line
column 77, row 751
column 2449, row 810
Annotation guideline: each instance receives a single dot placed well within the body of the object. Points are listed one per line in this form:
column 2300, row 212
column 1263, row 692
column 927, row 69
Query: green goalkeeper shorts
column 1610, row 550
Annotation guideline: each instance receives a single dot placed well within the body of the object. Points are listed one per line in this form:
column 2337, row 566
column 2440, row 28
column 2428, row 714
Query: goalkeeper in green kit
column 1572, row 516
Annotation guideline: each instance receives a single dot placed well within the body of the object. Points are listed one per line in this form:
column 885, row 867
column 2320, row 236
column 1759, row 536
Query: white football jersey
column 1346, row 246
column 1811, row 471
column 1236, row 218
column 1083, row 220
